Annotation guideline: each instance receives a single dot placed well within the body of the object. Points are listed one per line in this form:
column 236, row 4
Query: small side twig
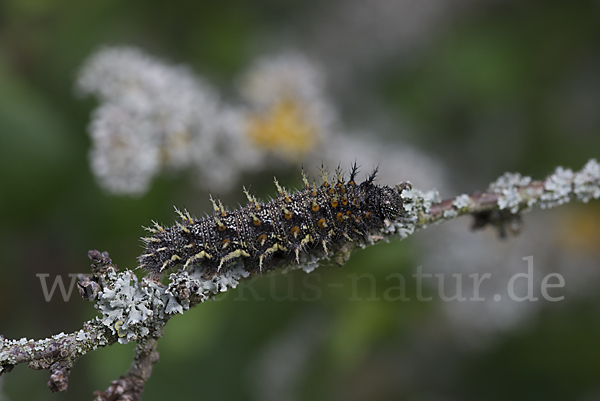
column 131, row 386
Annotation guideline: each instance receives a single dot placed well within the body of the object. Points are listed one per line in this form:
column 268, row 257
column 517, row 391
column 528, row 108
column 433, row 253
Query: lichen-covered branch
column 57, row 353
column 137, row 310
column 512, row 194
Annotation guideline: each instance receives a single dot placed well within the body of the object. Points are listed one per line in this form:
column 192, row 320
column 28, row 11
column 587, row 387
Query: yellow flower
column 283, row 129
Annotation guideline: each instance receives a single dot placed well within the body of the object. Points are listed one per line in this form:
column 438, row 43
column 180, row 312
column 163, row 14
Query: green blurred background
column 486, row 87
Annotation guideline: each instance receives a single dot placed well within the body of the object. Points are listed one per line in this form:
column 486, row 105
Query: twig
column 137, row 311
column 131, row 386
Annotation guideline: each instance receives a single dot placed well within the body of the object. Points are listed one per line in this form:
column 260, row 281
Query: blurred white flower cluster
column 154, row 116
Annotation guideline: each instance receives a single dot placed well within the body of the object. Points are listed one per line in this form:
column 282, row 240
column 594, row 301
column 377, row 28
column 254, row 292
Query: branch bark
column 137, row 311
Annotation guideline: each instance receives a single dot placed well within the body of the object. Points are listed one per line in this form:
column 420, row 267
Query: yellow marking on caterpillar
column 251, row 199
column 248, row 195
column 223, row 212
column 232, row 255
column 158, row 227
column 306, row 240
column 181, row 215
column 295, row 231
column 276, row 247
column 218, row 207
column 287, row 214
column 184, row 229
column 196, row 257
column 338, row 173
column 315, row 206
column 305, row 180
column 220, row 224
column 279, row 189
column 334, row 201
column 324, row 175
column 303, row 243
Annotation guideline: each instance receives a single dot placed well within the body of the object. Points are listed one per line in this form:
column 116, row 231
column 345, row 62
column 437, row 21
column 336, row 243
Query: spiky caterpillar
column 323, row 217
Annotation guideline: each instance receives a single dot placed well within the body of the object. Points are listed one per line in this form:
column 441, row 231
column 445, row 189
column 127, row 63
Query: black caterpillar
column 322, row 217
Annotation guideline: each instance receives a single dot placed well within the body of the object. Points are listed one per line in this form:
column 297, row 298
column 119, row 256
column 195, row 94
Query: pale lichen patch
column 586, row 183
column 462, row 202
column 557, row 188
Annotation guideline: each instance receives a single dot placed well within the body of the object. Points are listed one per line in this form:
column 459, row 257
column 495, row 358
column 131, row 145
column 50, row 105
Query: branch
column 131, row 386
column 137, row 311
